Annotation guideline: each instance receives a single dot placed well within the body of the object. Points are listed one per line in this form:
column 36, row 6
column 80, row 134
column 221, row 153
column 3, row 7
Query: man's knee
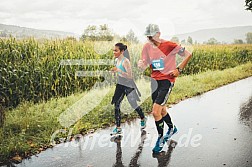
column 156, row 109
column 163, row 111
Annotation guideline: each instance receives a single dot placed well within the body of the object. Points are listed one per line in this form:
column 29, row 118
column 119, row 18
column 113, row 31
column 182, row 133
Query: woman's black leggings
column 120, row 92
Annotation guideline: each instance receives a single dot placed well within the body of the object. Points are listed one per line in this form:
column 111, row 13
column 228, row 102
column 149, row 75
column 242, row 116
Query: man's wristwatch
column 179, row 70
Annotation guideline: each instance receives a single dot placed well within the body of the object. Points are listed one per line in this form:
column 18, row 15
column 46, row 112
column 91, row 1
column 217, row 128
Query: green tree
column 238, row 41
column 189, row 40
column 104, row 34
column 183, row 42
column 4, row 33
column 212, row 41
column 249, row 37
column 93, row 33
column 175, row 39
column 71, row 38
column 131, row 37
column 248, row 5
column 90, row 33
column 123, row 40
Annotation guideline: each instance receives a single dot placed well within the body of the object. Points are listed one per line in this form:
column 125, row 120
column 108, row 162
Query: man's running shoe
column 170, row 132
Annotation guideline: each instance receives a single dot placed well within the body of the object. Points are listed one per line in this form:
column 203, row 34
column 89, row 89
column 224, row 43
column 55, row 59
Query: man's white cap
column 151, row 30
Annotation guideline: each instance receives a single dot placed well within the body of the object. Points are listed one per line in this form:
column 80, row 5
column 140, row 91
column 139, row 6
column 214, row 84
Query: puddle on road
column 246, row 113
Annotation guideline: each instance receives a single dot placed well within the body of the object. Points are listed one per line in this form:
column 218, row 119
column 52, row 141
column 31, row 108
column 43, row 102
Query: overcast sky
column 173, row 17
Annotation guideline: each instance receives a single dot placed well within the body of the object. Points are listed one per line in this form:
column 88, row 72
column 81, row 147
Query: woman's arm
column 127, row 66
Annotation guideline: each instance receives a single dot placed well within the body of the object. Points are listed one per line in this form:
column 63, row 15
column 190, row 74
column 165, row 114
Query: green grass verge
column 27, row 129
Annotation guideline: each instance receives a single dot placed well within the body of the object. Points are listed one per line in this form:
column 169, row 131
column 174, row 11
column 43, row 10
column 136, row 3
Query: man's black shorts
column 160, row 91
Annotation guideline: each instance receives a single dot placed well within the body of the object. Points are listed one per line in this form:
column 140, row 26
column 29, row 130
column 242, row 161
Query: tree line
column 213, row 41
column 104, row 33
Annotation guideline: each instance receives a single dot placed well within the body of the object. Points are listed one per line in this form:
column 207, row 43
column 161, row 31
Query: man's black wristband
column 179, row 70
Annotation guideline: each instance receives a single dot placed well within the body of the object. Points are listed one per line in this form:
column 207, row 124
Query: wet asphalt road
column 215, row 129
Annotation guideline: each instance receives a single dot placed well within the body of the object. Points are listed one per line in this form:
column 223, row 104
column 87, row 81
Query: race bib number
column 157, row 65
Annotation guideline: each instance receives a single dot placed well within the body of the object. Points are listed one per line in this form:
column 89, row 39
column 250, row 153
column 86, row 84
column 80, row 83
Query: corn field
column 31, row 71
column 218, row 57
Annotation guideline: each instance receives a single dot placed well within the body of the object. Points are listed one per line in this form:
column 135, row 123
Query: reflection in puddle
column 164, row 157
column 246, row 113
column 134, row 159
column 119, row 162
